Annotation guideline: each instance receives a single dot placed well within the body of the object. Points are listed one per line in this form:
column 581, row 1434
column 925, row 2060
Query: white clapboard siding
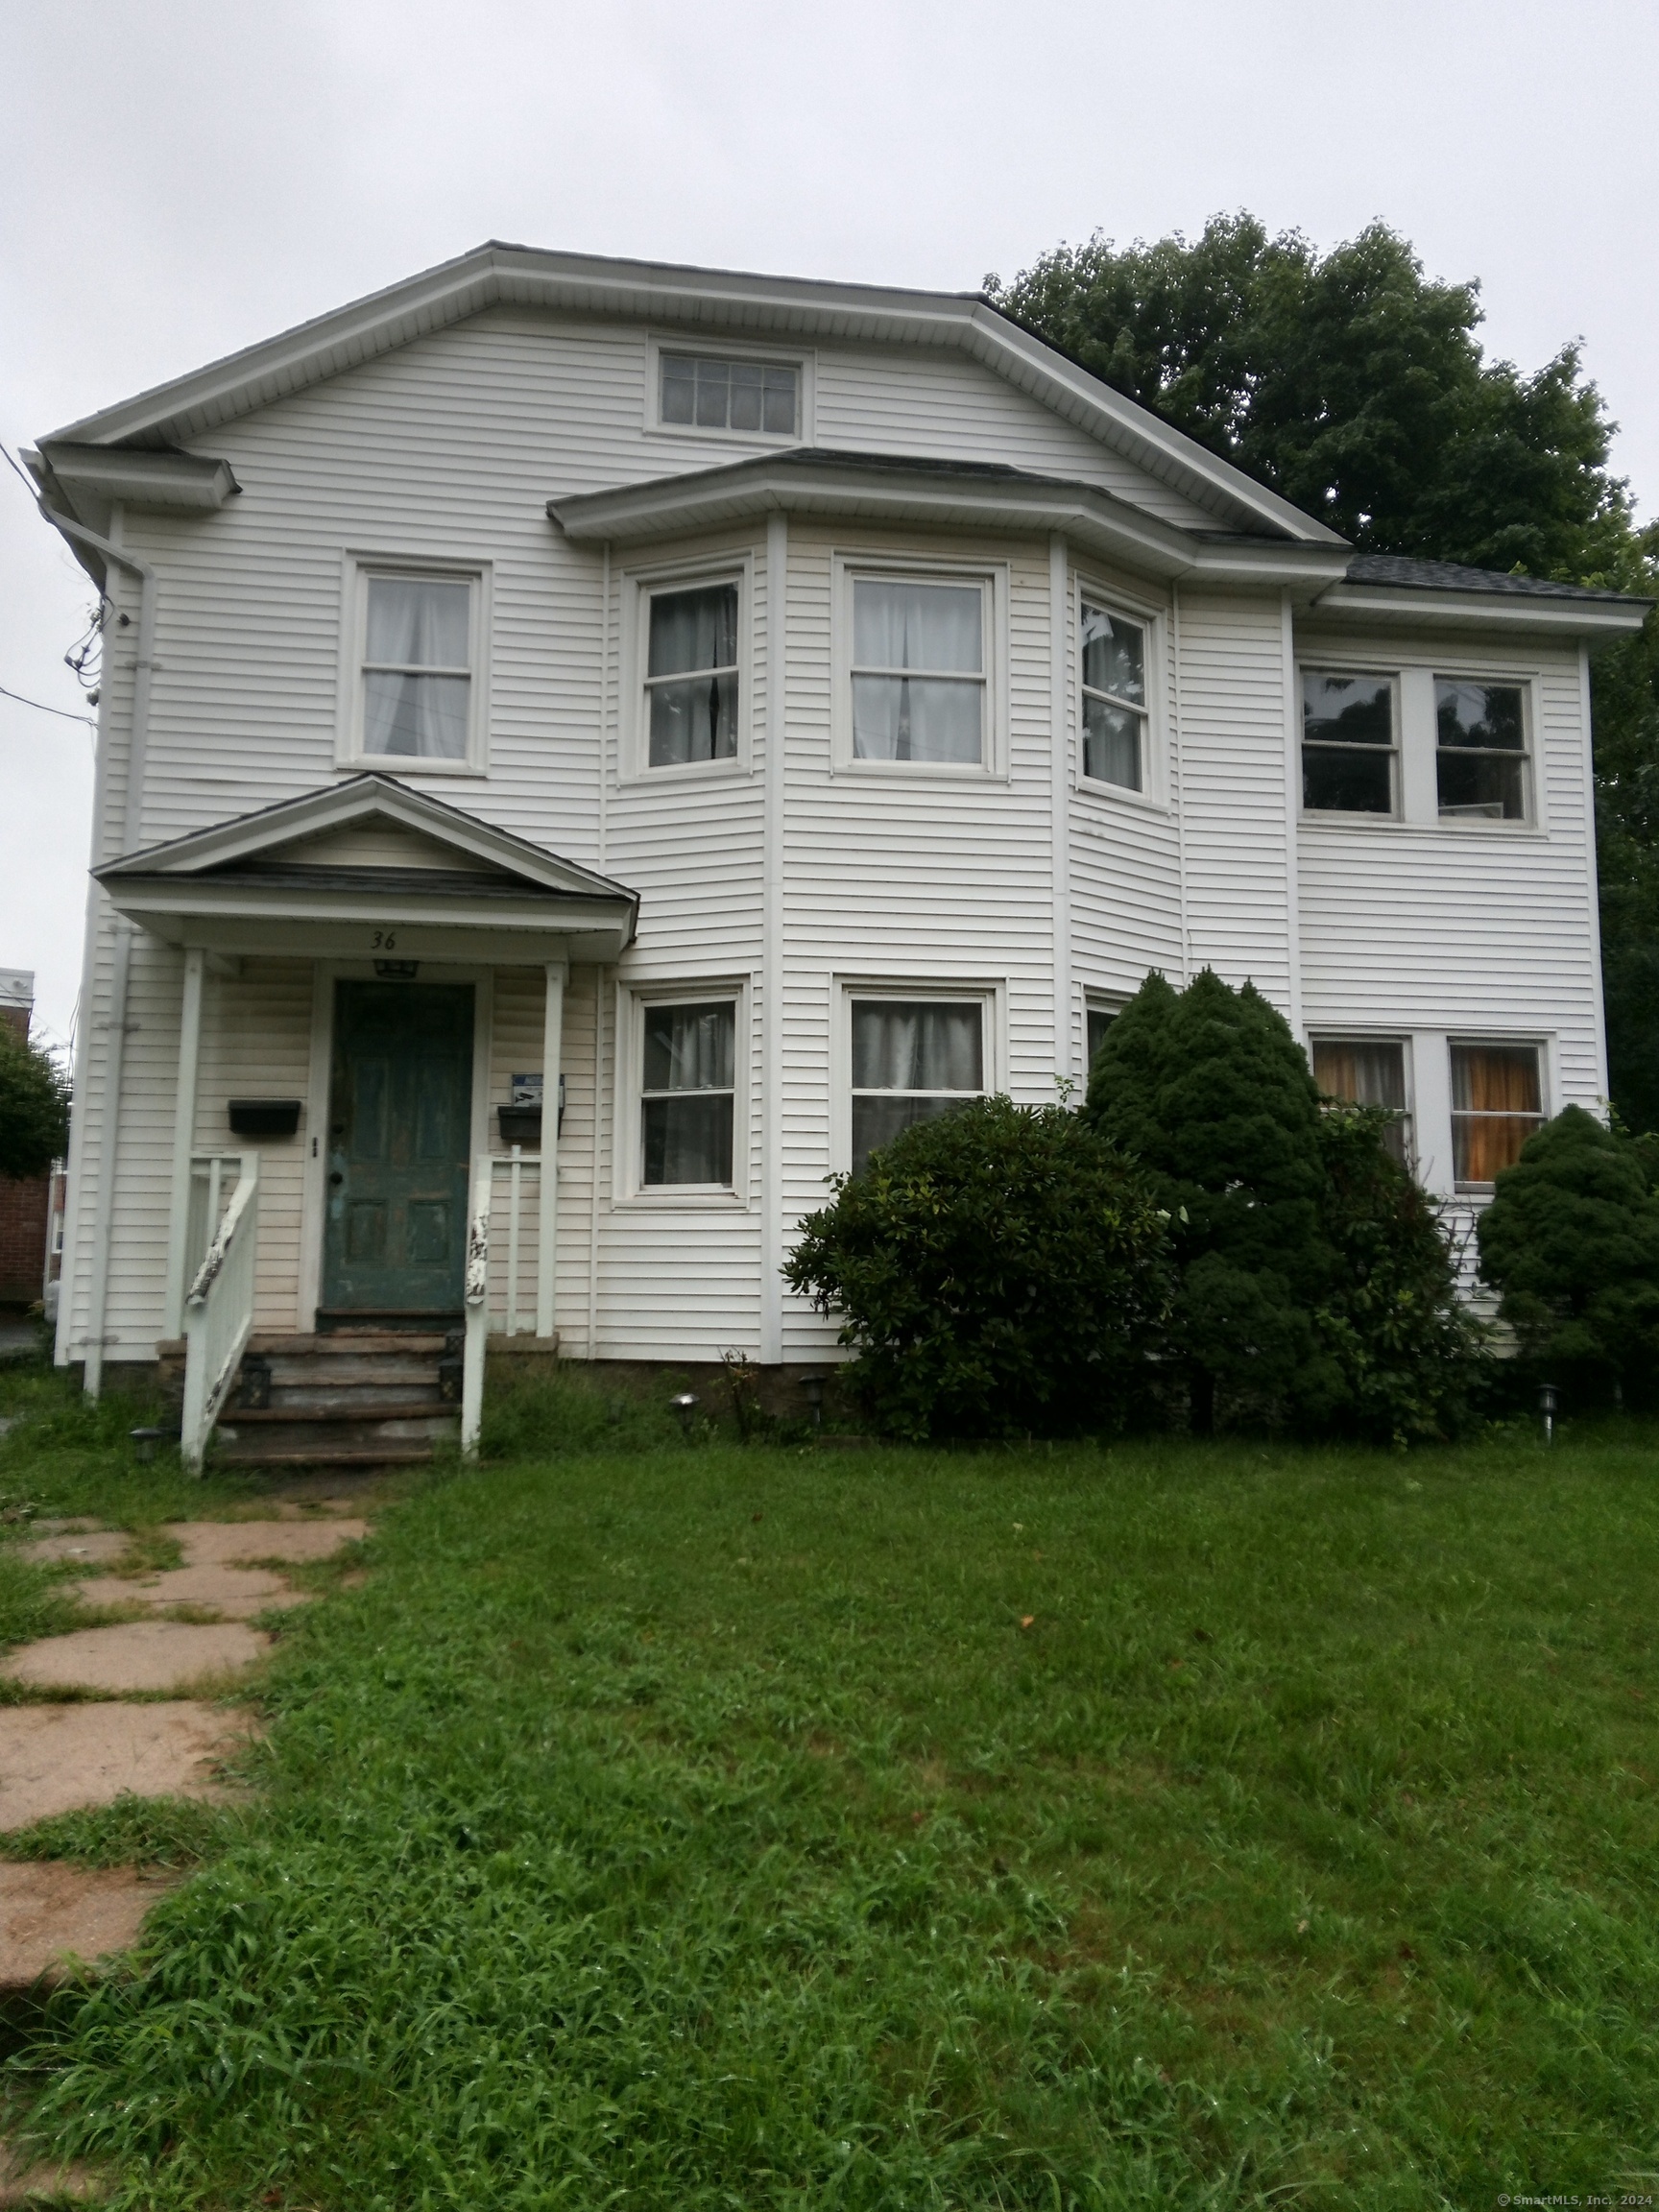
column 944, row 406
column 256, row 1043
column 1236, row 825
column 449, row 449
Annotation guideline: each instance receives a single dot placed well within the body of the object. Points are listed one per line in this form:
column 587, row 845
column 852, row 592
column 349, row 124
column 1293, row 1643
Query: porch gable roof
column 466, row 877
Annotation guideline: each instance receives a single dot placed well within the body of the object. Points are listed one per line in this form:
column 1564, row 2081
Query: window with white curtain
column 691, row 674
column 919, row 671
column 688, row 1065
column 1114, row 712
column 912, row 1059
column 418, row 667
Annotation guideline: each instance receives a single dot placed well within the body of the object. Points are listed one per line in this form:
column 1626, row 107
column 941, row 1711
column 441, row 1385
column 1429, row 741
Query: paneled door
column 399, row 1123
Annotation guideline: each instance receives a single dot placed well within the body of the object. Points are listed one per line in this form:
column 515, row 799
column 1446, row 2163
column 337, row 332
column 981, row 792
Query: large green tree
column 1357, row 386
column 34, row 1106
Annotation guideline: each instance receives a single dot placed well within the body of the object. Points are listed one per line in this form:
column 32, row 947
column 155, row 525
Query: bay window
column 1115, row 713
column 912, row 1059
column 919, row 671
column 690, row 706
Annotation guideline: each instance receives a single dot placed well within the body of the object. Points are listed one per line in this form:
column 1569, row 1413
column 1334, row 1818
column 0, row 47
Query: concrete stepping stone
column 236, row 1592
column 226, row 1543
column 28, row 2185
column 95, row 1545
column 61, row 1758
column 137, row 1655
column 51, row 1912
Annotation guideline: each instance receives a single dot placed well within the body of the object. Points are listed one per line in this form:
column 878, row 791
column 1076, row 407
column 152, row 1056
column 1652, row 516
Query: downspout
column 133, row 813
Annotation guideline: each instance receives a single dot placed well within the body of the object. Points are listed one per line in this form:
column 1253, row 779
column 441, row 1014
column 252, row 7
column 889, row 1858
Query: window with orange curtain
column 1497, row 1102
column 1367, row 1072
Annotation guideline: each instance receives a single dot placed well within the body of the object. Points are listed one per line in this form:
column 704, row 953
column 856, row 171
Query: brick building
column 26, row 1203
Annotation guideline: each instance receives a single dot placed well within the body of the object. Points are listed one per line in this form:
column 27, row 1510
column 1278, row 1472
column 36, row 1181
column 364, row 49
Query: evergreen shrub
column 1000, row 1270
column 1571, row 1240
column 1316, row 1287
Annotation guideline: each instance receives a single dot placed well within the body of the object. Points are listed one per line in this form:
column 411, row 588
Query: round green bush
column 998, row 1270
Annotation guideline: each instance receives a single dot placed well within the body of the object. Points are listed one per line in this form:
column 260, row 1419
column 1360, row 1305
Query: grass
column 696, row 1828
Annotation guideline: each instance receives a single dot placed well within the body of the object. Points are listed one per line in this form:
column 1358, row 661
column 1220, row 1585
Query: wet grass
column 706, row 1828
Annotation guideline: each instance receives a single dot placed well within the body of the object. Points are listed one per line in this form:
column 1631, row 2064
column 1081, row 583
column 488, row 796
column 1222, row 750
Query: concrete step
column 349, row 1344
column 330, row 1429
column 281, row 1451
column 342, row 1406
column 287, row 1369
column 297, row 1398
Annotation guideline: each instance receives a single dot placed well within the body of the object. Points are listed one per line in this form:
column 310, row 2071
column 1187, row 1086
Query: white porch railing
column 509, row 1268
column 218, row 1305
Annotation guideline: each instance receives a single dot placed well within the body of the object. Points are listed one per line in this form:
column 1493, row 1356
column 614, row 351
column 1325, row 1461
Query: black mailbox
column 264, row 1116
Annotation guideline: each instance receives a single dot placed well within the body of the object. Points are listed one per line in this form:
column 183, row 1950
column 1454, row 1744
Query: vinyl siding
column 449, row 449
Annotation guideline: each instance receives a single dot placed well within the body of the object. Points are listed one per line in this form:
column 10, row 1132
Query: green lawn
column 702, row 1827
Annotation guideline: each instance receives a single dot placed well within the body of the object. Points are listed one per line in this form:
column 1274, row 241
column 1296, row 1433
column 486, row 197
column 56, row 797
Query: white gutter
column 131, row 821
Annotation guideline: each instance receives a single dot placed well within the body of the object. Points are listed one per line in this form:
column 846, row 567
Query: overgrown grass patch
column 1161, row 1826
column 63, row 1454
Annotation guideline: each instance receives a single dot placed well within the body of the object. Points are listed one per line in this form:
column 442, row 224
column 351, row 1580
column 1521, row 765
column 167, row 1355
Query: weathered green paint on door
column 400, row 1119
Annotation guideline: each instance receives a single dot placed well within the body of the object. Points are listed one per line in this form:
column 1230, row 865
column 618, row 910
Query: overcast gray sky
column 183, row 177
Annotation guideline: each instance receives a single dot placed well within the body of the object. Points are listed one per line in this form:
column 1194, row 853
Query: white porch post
column 185, row 1136
column 548, row 1197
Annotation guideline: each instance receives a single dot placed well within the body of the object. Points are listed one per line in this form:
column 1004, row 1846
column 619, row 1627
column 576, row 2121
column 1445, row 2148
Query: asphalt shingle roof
column 1453, row 576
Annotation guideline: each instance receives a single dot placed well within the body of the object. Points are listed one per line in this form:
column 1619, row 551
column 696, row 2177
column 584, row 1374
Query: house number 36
column 385, row 939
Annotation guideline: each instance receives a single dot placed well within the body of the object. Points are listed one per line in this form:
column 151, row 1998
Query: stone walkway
column 74, row 1741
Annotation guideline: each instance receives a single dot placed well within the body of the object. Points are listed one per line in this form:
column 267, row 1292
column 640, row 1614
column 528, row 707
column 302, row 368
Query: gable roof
column 257, row 840
column 711, row 301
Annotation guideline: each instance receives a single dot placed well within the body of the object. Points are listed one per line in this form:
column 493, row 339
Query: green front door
column 400, row 1108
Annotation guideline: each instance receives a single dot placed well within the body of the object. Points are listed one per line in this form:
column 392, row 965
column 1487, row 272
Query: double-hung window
column 1115, row 713
column 912, row 1059
column 1368, row 1072
column 691, row 663
column 1480, row 750
column 687, row 1094
column 1497, row 1103
column 705, row 394
column 1349, row 742
column 416, row 698
column 919, row 671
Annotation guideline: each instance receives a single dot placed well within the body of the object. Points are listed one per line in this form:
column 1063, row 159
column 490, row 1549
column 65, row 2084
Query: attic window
column 760, row 397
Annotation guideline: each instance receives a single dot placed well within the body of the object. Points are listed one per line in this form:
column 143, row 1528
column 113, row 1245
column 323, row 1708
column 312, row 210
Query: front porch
column 384, row 1012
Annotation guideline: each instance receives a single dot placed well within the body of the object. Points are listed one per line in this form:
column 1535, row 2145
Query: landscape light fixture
column 145, row 1441
column 1549, row 1399
column 685, row 1404
column 814, row 1386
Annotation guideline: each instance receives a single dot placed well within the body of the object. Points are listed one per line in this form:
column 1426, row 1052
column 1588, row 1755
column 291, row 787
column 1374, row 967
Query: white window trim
column 1531, row 822
column 804, row 363
column 638, row 588
column 1154, row 794
column 1095, row 1001
column 629, row 1189
column 1416, row 748
column 991, row 995
column 1353, row 665
column 356, row 570
column 993, row 577
column 1549, row 1090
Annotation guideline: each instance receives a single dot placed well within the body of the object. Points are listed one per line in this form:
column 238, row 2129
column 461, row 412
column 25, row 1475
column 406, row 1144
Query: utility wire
column 62, row 713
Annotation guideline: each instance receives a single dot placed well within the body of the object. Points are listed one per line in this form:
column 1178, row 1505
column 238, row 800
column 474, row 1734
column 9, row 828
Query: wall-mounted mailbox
column 264, row 1116
column 521, row 1120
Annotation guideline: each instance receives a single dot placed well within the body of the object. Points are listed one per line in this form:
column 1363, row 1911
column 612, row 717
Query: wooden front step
column 347, row 1399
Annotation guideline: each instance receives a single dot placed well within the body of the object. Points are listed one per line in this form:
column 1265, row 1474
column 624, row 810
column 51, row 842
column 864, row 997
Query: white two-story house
column 689, row 725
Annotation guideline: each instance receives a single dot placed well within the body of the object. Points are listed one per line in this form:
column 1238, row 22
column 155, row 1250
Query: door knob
column 336, row 1177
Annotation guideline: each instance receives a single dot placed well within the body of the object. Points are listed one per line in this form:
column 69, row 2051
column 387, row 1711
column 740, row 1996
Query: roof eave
column 256, row 376
column 1513, row 611
column 1097, row 519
